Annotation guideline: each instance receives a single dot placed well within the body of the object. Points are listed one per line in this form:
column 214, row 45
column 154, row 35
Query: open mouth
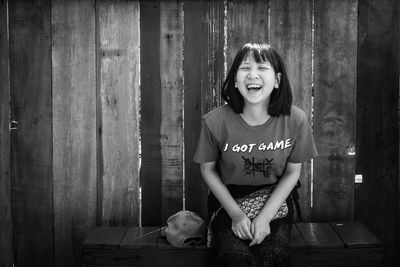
column 253, row 87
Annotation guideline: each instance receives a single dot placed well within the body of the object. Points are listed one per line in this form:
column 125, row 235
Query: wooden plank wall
column 31, row 148
column 109, row 97
column 6, row 227
column 377, row 198
column 150, row 112
column 203, row 74
column 334, row 109
column 295, row 46
column 74, row 126
column 118, row 112
column 171, row 129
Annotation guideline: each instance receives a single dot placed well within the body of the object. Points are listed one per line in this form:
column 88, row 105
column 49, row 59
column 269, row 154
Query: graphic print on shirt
column 252, row 166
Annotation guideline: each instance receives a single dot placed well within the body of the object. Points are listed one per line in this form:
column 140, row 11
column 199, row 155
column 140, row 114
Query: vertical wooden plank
column 291, row 35
column 203, row 75
column 377, row 122
column 171, row 129
column 334, row 109
column 119, row 113
column 212, row 65
column 6, row 227
column 31, row 147
column 247, row 22
column 195, row 190
column 74, row 127
column 150, row 121
column 396, row 50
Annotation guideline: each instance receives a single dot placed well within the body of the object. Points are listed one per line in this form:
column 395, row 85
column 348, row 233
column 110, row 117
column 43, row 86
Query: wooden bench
column 312, row 244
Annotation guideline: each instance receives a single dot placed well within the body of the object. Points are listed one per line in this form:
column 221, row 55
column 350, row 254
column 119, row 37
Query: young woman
column 257, row 140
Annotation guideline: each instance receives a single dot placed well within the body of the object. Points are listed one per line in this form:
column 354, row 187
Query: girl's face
column 255, row 81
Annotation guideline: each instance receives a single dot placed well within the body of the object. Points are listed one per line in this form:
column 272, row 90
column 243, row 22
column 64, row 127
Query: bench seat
column 312, row 244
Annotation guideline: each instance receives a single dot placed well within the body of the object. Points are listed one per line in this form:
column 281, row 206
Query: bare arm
column 240, row 222
column 260, row 225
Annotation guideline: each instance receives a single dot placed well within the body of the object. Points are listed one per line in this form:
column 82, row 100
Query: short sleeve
column 207, row 147
column 304, row 147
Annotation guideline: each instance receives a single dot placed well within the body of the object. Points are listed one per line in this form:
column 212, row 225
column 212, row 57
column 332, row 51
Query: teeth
column 253, row 86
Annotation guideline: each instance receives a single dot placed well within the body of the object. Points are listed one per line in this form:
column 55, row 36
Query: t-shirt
column 253, row 155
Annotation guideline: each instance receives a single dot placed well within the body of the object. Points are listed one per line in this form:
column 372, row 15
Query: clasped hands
column 255, row 230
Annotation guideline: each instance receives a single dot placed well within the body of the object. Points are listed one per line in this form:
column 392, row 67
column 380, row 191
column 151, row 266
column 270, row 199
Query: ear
column 277, row 79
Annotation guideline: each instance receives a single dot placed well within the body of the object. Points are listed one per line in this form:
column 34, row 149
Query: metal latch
column 13, row 125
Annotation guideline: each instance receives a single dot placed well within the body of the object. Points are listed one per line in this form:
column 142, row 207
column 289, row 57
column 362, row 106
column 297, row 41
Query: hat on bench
column 185, row 228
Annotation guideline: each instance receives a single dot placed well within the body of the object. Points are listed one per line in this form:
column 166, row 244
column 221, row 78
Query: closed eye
column 264, row 67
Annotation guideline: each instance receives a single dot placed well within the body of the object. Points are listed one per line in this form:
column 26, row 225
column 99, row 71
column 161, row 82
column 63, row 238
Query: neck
column 255, row 115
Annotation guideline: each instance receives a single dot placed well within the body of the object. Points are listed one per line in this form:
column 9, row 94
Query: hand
column 241, row 226
column 260, row 229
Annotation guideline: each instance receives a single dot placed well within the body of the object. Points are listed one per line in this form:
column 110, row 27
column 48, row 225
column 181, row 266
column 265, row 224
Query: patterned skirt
column 233, row 251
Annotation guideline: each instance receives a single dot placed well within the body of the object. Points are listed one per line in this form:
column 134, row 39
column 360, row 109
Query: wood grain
column 31, row 144
column 119, row 119
column 212, row 63
column 195, row 190
column 203, row 74
column 144, row 247
column 6, row 226
column 104, row 237
column 355, row 234
column 150, row 122
column 171, row 129
column 247, row 21
column 336, row 257
column 319, row 235
column 377, row 123
column 334, row 109
column 296, row 239
column 291, row 36
column 74, row 127
column 141, row 238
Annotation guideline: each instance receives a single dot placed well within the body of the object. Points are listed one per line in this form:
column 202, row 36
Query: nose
column 253, row 74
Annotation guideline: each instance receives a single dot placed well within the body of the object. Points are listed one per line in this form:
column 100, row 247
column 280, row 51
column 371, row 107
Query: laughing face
column 255, row 81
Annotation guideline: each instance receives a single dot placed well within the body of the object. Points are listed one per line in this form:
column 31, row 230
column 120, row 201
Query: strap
column 295, row 197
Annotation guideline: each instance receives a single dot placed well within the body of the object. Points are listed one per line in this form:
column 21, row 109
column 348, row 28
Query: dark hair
column 281, row 98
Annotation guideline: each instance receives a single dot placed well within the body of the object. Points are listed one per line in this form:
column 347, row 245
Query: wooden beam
column 377, row 122
column 247, row 21
column 74, row 127
column 171, row 129
column 204, row 71
column 334, row 109
column 6, row 225
column 291, row 36
column 31, row 143
column 118, row 112
column 150, row 122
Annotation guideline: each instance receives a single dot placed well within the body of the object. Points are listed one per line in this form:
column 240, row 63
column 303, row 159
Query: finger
column 242, row 233
column 237, row 232
column 253, row 242
column 247, row 232
column 261, row 239
column 252, row 229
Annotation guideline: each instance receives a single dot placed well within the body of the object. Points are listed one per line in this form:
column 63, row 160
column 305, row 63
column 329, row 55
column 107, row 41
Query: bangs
column 261, row 52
